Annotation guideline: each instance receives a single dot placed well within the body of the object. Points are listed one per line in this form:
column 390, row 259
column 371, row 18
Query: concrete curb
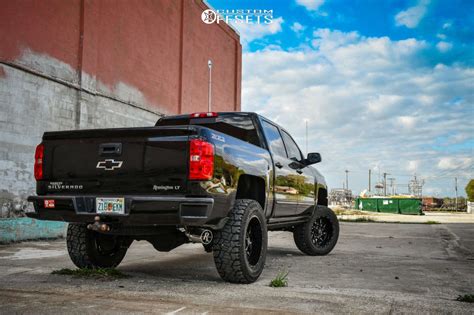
column 428, row 218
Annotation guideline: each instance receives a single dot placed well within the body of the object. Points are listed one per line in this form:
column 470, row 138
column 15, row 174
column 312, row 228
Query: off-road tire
column 84, row 247
column 322, row 244
column 236, row 260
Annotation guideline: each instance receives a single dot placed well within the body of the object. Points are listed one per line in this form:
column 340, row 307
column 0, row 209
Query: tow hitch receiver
column 97, row 226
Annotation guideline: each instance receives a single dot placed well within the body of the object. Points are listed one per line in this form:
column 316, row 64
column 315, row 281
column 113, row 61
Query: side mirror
column 313, row 158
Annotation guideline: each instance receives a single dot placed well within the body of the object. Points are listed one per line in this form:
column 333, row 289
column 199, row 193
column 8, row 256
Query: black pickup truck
column 221, row 179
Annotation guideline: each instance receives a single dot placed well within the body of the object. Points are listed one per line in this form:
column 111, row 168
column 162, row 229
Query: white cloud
column 455, row 163
column 444, row 46
column 447, row 25
column 370, row 103
column 407, row 122
column 252, row 31
column 413, row 15
column 412, row 166
column 297, row 28
column 310, row 5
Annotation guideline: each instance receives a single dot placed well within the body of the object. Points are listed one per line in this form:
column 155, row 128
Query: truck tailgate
column 113, row 161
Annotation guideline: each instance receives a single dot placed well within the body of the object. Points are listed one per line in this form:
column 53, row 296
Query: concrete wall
column 96, row 64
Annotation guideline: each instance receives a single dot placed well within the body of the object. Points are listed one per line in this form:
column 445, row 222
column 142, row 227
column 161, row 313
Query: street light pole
column 306, row 120
column 209, row 64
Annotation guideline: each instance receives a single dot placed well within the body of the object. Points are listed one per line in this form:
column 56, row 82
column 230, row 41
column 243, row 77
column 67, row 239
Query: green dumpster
column 388, row 205
column 368, row 204
column 410, row 206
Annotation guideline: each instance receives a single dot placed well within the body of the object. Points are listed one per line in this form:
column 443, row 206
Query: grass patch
column 432, row 222
column 359, row 219
column 280, row 280
column 100, row 273
column 468, row 298
column 342, row 211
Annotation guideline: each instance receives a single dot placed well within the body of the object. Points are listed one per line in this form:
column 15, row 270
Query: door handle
column 299, row 171
column 278, row 164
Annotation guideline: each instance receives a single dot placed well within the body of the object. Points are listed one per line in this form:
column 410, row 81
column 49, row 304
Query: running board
column 286, row 222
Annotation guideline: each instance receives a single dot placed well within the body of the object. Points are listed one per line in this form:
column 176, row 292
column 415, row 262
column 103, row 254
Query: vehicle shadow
column 283, row 251
column 189, row 266
column 194, row 264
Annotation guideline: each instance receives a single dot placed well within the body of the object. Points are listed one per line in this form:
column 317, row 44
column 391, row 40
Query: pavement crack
column 452, row 246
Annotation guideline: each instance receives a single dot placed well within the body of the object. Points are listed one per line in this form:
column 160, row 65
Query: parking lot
column 375, row 268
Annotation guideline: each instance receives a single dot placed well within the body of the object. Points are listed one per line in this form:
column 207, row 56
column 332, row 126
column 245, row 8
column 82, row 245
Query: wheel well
column 322, row 197
column 251, row 187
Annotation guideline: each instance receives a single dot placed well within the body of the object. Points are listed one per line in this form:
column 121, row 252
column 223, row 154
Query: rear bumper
column 139, row 210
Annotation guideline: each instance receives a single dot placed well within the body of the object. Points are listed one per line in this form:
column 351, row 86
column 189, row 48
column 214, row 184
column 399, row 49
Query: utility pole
column 392, row 185
column 347, row 179
column 385, row 183
column 209, row 64
column 370, row 178
column 456, row 192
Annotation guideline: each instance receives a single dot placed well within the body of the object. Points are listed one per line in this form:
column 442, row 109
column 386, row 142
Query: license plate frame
column 110, row 205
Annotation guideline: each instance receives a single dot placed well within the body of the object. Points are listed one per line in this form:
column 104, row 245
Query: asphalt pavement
column 376, row 268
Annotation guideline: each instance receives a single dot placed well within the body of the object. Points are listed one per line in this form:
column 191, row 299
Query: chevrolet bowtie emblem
column 109, row 164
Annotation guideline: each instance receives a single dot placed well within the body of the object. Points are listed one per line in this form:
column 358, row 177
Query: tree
column 470, row 190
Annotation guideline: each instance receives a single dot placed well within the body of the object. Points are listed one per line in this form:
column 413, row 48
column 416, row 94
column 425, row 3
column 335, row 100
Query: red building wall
column 157, row 49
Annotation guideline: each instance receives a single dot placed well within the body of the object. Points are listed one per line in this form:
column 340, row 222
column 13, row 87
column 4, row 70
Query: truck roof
column 188, row 116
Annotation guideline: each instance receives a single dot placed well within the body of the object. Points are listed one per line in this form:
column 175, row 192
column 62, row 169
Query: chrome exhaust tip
column 203, row 236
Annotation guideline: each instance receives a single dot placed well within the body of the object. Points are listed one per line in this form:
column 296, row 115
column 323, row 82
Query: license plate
column 110, row 205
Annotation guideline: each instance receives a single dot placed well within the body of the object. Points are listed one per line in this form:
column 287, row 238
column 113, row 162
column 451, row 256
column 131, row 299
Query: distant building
column 432, row 203
column 341, row 197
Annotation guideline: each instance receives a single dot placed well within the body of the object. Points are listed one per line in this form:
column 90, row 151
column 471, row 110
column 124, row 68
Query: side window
column 274, row 139
column 292, row 148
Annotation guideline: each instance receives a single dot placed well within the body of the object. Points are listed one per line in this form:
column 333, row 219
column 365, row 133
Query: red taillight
column 201, row 160
column 39, row 154
column 203, row 115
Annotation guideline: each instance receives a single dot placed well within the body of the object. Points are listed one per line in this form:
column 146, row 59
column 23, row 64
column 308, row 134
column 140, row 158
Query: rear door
column 284, row 184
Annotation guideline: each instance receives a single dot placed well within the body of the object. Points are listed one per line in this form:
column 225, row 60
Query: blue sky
column 384, row 85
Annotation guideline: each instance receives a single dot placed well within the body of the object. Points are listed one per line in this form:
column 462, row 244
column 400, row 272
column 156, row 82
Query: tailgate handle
column 109, row 149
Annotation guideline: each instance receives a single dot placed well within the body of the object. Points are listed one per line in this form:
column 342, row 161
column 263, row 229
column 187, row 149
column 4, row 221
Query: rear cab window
column 240, row 126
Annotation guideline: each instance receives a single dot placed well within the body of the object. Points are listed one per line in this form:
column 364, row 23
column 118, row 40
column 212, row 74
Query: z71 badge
column 217, row 137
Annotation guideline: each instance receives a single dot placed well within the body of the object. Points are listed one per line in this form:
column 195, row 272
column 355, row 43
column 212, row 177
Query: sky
column 383, row 85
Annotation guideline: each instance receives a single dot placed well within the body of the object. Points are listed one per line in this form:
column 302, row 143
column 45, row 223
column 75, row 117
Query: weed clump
column 468, row 298
column 280, row 280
